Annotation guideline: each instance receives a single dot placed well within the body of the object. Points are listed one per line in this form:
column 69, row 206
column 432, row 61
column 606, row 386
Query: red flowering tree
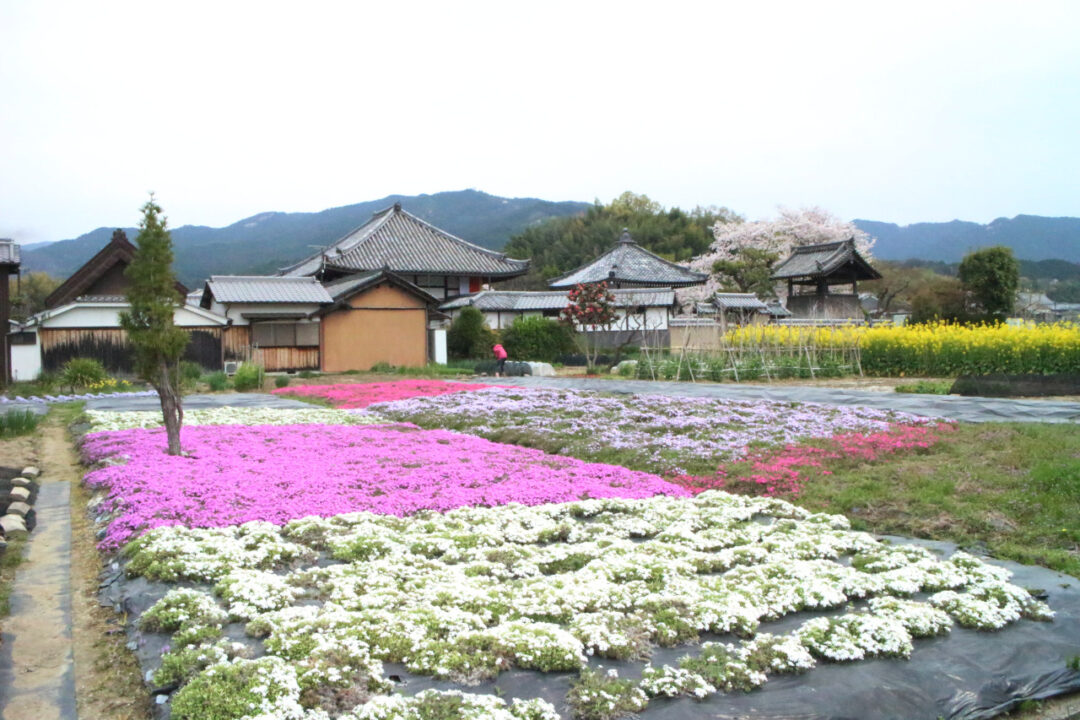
column 591, row 309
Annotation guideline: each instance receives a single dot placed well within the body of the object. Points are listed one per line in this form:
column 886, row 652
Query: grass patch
column 9, row 560
column 1011, row 488
column 18, row 422
column 926, row 387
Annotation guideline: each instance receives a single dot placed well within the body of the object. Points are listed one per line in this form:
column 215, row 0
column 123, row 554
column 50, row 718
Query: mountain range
column 265, row 242
column 1030, row 236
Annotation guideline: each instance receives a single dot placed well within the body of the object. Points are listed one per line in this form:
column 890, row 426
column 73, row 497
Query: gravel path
column 37, row 669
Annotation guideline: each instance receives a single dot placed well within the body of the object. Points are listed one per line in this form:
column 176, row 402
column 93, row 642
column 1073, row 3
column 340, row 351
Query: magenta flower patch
column 234, row 474
column 360, row 395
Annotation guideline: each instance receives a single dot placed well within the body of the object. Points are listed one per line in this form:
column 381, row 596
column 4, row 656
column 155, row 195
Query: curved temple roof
column 631, row 264
column 400, row 242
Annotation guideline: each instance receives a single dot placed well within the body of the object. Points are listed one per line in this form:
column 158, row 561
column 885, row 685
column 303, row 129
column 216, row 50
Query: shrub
column 307, row 374
column 538, row 338
column 469, row 336
column 190, row 371
column 281, row 381
column 80, row 372
column 217, row 381
column 248, row 377
column 382, row 367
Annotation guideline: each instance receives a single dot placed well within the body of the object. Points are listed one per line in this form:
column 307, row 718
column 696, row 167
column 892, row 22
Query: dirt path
column 37, row 666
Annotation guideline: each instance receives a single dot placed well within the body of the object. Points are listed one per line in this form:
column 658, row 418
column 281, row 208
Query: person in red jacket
column 500, row 355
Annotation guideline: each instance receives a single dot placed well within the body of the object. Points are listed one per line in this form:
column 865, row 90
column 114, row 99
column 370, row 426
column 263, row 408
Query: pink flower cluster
column 360, row 395
column 237, row 473
column 783, row 472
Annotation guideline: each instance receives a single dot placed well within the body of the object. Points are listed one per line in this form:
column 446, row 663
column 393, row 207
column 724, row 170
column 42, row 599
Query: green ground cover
column 1012, row 489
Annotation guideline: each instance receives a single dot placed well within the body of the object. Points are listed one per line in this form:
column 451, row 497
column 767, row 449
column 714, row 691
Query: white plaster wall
column 236, row 311
column 107, row 316
column 438, row 346
column 86, row 317
column 26, row 361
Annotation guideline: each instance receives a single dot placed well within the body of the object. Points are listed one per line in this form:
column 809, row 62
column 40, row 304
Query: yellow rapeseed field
column 935, row 349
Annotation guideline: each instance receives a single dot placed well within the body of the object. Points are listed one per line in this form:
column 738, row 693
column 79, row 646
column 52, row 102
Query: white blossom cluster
column 102, row 420
column 467, row 594
column 467, row 707
column 671, row 681
column 176, row 552
column 182, row 607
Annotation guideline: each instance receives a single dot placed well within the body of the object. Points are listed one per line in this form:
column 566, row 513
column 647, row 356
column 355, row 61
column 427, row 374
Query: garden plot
column 483, row 580
column 331, row 617
column 666, row 435
column 360, row 395
column 234, row 474
column 105, row 420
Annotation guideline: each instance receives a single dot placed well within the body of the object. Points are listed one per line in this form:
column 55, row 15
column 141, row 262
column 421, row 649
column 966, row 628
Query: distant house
column 1040, row 308
column 288, row 323
column 628, row 265
column 637, row 310
column 82, row 319
column 810, row 272
column 741, row 309
column 442, row 265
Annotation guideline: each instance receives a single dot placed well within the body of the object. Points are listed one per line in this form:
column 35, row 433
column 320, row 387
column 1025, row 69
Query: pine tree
column 152, row 294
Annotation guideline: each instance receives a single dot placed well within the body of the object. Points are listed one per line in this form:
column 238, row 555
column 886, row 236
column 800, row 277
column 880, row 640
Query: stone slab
column 13, row 526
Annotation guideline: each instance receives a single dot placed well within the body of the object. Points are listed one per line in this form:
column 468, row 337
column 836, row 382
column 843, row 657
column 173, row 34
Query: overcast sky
column 900, row 112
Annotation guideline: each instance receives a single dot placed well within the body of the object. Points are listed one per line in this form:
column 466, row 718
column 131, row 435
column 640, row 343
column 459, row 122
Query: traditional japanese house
column 637, row 311
column 628, row 265
column 812, row 270
column 82, row 319
column 9, row 265
column 442, row 265
column 288, row 323
column 739, row 309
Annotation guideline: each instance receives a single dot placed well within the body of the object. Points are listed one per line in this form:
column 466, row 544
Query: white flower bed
column 102, row 420
column 470, row 593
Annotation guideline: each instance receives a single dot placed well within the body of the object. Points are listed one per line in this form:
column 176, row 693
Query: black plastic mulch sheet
column 966, row 674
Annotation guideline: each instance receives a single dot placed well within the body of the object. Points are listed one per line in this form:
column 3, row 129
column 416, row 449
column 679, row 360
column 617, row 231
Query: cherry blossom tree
column 792, row 228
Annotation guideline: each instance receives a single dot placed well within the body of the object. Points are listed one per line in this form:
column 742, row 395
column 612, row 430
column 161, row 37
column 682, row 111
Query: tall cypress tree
column 153, row 297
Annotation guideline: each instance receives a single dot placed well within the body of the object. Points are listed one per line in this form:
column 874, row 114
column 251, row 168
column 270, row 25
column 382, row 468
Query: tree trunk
column 171, row 410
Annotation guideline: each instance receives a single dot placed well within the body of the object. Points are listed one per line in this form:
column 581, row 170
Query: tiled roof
column 628, row 262
column 403, row 243
column 742, row 301
column 775, row 309
column 514, row 301
column 815, row 261
column 261, row 289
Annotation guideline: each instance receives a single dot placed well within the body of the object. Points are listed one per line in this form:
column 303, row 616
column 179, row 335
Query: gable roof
column 403, row 243
column 628, row 262
column 813, row 262
column 343, row 289
column 263, row 289
column 118, row 250
column 523, row 301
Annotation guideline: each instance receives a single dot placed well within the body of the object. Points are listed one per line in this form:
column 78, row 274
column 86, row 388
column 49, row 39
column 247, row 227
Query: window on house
column 284, row 334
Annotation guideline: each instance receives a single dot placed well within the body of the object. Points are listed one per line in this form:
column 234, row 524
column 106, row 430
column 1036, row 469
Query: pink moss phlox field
column 237, row 473
column 783, row 472
column 360, row 395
